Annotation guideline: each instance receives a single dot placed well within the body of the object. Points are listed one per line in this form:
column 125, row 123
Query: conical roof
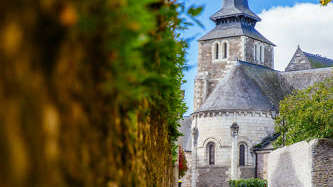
column 235, row 19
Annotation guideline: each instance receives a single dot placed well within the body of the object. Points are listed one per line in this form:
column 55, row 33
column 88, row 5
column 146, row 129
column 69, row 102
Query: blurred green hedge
column 248, row 183
column 90, row 92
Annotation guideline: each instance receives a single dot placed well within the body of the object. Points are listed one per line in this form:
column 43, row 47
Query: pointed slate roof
column 234, row 8
column 303, row 61
column 235, row 19
column 247, row 87
column 224, row 31
column 318, row 61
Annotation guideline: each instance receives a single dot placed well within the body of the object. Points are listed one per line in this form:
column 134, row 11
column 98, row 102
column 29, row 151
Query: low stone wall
column 247, row 172
column 322, row 163
column 304, row 164
column 262, row 157
column 213, row 177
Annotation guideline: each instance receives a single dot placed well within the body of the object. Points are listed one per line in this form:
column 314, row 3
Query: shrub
column 90, row 92
column 248, row 183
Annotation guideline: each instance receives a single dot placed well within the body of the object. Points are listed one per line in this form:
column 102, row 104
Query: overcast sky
column 309, row 25
column 287, row 23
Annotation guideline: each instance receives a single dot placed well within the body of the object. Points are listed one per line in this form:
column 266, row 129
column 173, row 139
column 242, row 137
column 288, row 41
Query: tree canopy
column 306, row 114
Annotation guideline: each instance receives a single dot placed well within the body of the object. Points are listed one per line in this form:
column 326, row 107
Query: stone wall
column 247, row 172
column 298, row 62
column 322, row 163
column 304, row 164
column 305, row 78
column 215, row 127
column 249, row 52
column 211, row 71
column 262, row 157
column 213, row 177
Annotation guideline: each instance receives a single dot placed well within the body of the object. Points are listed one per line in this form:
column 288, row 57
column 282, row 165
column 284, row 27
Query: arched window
column 211, row 153
column 262, row 53
column 255, row 52
column 225, row 50
column 217, row 51
column 258, row 53
column 242, row 152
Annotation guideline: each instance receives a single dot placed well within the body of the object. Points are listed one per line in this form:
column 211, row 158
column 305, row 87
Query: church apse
column 236, row 83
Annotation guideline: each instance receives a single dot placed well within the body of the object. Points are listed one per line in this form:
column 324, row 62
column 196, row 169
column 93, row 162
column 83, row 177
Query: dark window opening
column 217, row 51
column 242, row 155
column 211, row 153
column 225, row 54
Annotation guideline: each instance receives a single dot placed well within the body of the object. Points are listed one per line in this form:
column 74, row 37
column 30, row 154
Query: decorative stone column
column 195, row 134
column 234, row 151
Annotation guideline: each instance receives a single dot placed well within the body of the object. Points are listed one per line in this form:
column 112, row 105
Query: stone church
column 236, row 91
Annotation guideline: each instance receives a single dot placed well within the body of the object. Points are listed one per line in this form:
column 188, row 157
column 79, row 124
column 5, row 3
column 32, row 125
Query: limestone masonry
column 236, row 84
column 304, row 164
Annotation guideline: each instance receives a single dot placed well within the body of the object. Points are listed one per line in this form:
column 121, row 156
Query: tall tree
column 306, row 114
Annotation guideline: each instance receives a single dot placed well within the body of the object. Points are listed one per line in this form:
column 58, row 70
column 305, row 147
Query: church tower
column 233, row 39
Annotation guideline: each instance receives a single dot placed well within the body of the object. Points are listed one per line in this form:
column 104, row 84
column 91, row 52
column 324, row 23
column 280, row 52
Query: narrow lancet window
column 211, row 153
column 257, row 53
column 242, row 155
column 262, row 53
column 225, row 50
column 217, row 51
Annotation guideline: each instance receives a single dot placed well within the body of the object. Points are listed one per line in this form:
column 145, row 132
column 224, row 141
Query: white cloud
column 309, row 25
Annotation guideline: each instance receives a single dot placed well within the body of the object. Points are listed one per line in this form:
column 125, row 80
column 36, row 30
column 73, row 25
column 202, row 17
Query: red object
column 182, row 164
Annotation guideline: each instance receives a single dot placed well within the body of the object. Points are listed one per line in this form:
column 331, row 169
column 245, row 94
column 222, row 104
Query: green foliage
column 325, row 2
column 90, row 92
column 306, row 114
column 248, row 183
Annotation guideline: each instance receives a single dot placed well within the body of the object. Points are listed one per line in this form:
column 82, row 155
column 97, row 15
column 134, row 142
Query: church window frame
column 243, row 154
column 216, row 51
column 225, row 50
column 211, row 153
column 262, row 53
column 222, row 52
column 257, row 52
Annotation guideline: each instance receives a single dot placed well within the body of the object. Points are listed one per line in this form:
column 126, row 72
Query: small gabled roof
column 266, row 141
column 312, row 61
column 234, row 8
